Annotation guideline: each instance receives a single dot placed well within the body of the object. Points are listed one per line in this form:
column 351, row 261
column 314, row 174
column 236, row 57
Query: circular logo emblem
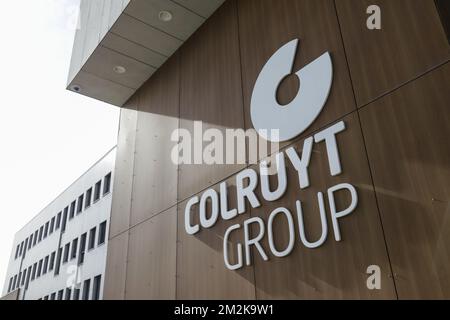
column 291, row 120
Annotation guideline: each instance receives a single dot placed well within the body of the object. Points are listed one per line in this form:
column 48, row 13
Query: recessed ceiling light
column 119, row 69
column 165, row 16
column 75, row 88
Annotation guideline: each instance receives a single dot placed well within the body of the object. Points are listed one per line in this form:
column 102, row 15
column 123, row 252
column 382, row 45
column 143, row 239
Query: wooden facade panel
column 201, row 272
column 335, row 270
column 116, row 268
column 152, row 258
column 411, row 41
column 407, row 141
column 266, row 25
column 123, row 176
column 210, row 91
column 155, row 182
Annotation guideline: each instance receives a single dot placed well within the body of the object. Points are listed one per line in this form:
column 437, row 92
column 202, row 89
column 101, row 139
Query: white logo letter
column 297, row 116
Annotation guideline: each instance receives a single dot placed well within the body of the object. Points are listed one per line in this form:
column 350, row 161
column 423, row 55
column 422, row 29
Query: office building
column 61, row 253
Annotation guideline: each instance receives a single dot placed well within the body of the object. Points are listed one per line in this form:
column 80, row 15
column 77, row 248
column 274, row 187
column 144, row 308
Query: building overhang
column 121, row 43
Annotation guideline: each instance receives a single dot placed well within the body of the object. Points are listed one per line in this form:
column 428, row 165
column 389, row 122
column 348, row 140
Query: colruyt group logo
column 278, row 123
column 273, row 123
column 293, row 119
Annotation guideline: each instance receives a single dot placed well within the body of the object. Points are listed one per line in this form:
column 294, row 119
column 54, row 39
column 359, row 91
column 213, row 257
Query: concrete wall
column 390, row 87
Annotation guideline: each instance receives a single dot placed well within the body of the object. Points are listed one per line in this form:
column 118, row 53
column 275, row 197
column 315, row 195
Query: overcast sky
column 48, row 136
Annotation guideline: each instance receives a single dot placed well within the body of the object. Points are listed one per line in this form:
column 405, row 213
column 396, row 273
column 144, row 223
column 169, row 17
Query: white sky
column 48, row 136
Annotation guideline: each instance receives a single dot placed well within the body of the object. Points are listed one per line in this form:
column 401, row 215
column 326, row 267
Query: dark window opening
column 92, row 238
column 72, row 210
column 52, row 225
column 68, row 293
column 66, row 253
column 102, row 233
column 76, row 294
column 80, row 204
column 82, row 248
column 58, row 220
column 39, row 270
column 97, row 189
column 47, row 224
column 64, row 219
column 86, row 288
column 73, row 254
column 58, row 261
column 87, row 203
column 52, row 261
column 107, row 184
column 44, row 271
column 41, row 231
column 96, row 287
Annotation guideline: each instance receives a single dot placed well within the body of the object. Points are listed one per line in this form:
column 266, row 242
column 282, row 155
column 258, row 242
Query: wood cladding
column 201, row 273
column 394, row 151
column 116, row 267
column 335, row 270
column 155, row 175
column 151, row 266
column 407, row 136
column 410, row 42
column 123, row 181
column 210, row 91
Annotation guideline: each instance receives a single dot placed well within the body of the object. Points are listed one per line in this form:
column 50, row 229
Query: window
column 107, row 184
column 20, row 249
column 41, row 231
column 27, row 282
column 19, row 277
column 25, row 246
column 52, row 225
column 39, row 270
column 60, row 294
column 52, row 261
column 102, row 233
column 58, row 221
column 46, row 298
column 97, row 188
column 72, row 210
column 44, row 271
column 96, row 287
column 35, row 237
column 53, row 296
column 14, row 282
column 73, row 255
column 82, row 248
column 68, row 294
column 91, row 238
column 10, row 284
column 24, row 276
column 30, row 242
column 80, row 204
column 58, row 261
column 46, row 229
column 64, row 219
column 17, row 251
column 87, row 203
column 86, row 287
column 33, row 275
column 76, row 294
column 66, row 253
